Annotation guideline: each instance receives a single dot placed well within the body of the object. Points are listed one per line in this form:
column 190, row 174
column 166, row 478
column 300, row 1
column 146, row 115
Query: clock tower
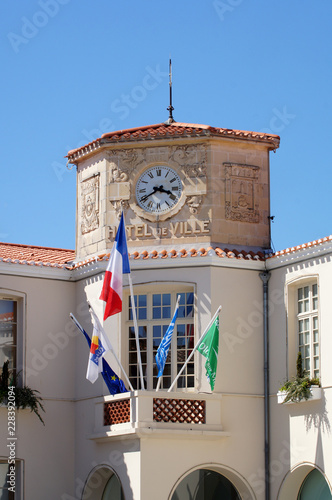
column 180, row 185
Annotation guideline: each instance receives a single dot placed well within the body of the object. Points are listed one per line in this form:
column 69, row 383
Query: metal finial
column 170, row 107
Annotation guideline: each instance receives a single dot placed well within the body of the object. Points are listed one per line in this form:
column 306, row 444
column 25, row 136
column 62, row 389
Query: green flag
column 208, row 347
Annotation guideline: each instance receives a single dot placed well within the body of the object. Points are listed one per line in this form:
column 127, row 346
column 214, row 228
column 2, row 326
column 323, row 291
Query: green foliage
column 298, row 388
column 24, row 396
column 299, row 366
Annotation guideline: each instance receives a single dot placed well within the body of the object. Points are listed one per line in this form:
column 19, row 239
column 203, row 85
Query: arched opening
column 103, row 484
column 314, row 486
column 113, row 490
column 205, row 484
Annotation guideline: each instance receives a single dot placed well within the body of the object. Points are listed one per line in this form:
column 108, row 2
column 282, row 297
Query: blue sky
column 72, row 70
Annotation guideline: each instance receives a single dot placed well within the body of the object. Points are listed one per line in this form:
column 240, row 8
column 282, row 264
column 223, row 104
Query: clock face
column 158, row 189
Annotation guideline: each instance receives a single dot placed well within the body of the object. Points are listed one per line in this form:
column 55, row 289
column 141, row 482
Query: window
column 113, row 490
column 204, row 484
column 6, row 478
column 11, row 330
column 8, row 333
column 314, row 486
column 307, row 327
column 154, row 312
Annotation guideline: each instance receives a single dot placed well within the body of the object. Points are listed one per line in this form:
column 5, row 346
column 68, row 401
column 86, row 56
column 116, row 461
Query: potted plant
column 298, row 388
column 24, row 397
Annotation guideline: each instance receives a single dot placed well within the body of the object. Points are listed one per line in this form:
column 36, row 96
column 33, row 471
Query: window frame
column 19, row 477
column 293, row 317
column 307, row 318
column 149, row 289
column 20, row 299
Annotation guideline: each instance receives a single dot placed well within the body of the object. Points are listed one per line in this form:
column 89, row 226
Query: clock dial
column 158, row 189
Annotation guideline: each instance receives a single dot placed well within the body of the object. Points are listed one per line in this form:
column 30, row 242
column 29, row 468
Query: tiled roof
column 304, row 246
column 6, row 317
column 175, row 129
column 180, row 254
column 55, row 257
column 34, row 255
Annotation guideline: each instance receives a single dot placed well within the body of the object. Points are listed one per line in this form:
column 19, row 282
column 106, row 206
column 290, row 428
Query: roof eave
column 74, row 156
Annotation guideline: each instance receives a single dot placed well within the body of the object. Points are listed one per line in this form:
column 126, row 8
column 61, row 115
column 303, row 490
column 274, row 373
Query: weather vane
column 170, row 107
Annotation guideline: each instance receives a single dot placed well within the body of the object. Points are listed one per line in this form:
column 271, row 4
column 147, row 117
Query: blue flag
column 164, row 345
column 114, row 384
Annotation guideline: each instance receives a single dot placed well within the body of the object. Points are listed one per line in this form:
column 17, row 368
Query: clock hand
column 146, row 196
column 162, row 190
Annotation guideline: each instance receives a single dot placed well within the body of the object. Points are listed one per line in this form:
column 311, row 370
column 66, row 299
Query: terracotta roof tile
column 183, row 254
column 35, row 255
column 304, row 246
column 55, row 257
column 5, row 317
column 175, row 129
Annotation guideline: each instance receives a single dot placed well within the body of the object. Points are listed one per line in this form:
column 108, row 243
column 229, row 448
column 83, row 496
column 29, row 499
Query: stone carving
column 119, row 206
column 194, row 203
column 191, row 158
column 124, row 161
column 240, row 197
column 90, row 204
column 118, row 176
column 125, row 165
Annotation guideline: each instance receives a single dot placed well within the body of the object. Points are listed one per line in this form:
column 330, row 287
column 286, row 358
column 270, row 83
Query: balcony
column 158, row 414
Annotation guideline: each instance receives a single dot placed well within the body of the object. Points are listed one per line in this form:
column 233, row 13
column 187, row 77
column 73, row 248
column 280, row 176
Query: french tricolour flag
column 117, row 266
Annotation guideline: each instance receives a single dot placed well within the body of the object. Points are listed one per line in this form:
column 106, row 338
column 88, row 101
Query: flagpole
column 133, row 308
column 195, row 348
column 72, row 317
column 159, row 379
column 158, row 384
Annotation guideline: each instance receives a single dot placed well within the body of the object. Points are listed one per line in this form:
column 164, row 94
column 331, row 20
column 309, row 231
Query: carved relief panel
column 241, row 192
column 90, row 204
column 127, row 166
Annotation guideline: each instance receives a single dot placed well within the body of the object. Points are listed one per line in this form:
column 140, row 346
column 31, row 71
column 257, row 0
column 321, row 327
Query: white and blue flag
column 164, row 345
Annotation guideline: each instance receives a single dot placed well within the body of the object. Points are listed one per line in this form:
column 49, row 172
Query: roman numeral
column 167, row 174
column 172, row 180
column 167, row 203
column 142, row 190
column 145, row 182
column 150, row 174
column 175, row 188
column 172, row 197
column 158, row 172
column 158, row 206
column 150, row 204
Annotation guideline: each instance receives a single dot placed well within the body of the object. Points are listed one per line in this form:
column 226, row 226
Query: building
column 197, row 210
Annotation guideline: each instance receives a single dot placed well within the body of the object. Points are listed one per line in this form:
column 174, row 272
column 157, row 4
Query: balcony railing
column 158, row 413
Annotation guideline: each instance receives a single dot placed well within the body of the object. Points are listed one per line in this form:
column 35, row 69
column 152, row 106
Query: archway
column 103, row 484
column 314, row 486
column 301, row 480
column 211, row 482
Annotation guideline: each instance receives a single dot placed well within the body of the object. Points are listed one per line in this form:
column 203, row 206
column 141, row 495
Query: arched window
column 103, row 484
column 113, row 490
column 314, row 486
column 204, row 484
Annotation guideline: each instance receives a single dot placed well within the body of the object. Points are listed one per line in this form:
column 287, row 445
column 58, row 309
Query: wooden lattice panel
column 117, row 412
column 180, row 411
